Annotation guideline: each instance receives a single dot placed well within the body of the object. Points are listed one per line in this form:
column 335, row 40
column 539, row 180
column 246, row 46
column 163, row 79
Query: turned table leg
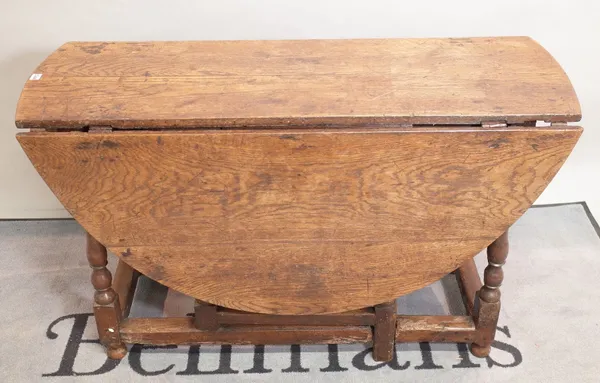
column 486, row 316
column 107, row 310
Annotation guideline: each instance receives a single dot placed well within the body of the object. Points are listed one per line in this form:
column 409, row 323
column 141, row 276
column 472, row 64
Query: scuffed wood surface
column 299, row 223
column 297, row 83
column 362, row 317
column 124, row 284
column 164, row 331
column 420, row 328
column 469, row 283
column 384, row 331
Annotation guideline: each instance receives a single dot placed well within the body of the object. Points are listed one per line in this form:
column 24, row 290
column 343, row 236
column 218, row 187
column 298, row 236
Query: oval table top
column 301, row 221
column 281, row 176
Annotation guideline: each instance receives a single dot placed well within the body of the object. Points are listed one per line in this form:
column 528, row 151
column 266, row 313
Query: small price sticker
column 35, row 76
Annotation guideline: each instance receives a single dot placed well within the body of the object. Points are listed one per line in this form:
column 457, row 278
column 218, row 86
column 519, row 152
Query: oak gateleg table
column 295, row 189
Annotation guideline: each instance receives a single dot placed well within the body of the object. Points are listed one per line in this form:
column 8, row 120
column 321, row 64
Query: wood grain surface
column 297, row 83
column 308, row 222
column 124, row 284
column 362, row 317
column 469, row 282
column 165, row 331
column 419, row 328
column 384, row 331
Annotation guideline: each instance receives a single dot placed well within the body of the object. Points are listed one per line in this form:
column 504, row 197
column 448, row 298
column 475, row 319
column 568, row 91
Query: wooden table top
column 309, row 220
column 296, row 83
column 304, row 221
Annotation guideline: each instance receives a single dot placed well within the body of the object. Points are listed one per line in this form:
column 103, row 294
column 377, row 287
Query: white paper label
column 35, row 76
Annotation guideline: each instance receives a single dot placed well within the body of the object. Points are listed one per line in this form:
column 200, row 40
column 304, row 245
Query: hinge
column 493, row 124
column 100, row 129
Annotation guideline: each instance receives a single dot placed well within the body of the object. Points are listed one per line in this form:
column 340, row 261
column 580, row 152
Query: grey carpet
column 548, row 330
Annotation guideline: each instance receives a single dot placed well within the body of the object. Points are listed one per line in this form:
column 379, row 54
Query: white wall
column 31, row 29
